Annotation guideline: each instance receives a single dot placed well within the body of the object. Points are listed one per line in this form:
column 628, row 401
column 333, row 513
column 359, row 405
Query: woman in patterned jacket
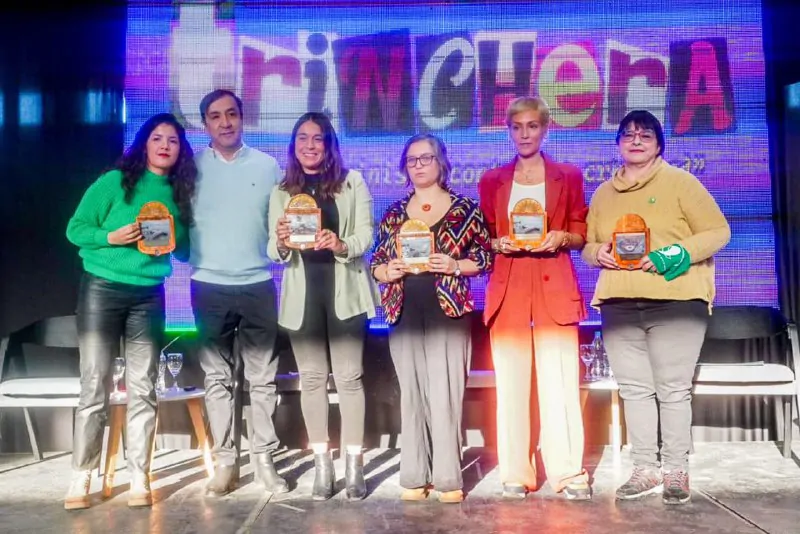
column 430, row 339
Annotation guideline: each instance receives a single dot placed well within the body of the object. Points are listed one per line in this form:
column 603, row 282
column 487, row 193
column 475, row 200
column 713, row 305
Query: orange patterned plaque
column 631, row 241
column 305, row 220
column 415, row 245
column 158, row 229
column 528, row 222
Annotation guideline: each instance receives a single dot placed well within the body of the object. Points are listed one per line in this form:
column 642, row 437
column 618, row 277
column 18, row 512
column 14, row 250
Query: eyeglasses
column 425, row 160
column 646, row 136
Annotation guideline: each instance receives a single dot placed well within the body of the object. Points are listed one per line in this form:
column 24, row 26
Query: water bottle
column 161, row 383
column 600, row 352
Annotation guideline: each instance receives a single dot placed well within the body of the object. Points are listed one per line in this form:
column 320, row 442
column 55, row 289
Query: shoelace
column 676, row 480
column 640, row 476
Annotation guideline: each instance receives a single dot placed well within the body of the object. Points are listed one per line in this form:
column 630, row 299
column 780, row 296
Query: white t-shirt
column 520, row 192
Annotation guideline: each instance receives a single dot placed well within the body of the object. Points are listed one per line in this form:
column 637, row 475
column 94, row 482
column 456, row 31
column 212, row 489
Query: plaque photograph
column 631, row 241
column 415, row 245
column 528, row 224
column 158, row 229
column 305, row 220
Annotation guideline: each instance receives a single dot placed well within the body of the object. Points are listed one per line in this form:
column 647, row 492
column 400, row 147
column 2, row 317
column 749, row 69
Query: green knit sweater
column 102, row 210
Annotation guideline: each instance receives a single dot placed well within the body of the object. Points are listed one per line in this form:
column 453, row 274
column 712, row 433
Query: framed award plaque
column 528, row 222
column 415, row 245
column 631, row 240
column 158, row 229
column 305, row 220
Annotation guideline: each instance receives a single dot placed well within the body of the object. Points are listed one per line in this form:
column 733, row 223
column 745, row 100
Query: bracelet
column 566, row 241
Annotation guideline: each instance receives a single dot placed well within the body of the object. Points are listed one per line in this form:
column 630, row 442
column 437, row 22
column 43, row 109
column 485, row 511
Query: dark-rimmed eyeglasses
column 424, row 160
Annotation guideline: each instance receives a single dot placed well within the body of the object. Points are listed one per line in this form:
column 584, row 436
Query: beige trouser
column 548, row 352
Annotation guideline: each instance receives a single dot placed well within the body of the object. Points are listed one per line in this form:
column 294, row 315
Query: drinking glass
column 117, row 372
column 587, row 355
column 174, row 364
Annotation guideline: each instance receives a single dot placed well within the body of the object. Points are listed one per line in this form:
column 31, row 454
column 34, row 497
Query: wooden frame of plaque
column 415, row 245
column 527, row 224
column 158, row 229
column 304, row 215
column 632, row 235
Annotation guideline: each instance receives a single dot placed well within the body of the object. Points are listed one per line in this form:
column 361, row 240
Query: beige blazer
column 356, row 292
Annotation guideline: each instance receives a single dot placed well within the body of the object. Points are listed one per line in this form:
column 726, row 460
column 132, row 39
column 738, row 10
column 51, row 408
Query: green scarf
column 671, row 261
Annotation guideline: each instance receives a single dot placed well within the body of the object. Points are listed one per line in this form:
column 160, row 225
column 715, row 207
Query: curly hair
column 182, row 176
column 332, row 173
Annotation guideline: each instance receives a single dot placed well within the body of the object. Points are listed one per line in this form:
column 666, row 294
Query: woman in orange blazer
column 533, row 307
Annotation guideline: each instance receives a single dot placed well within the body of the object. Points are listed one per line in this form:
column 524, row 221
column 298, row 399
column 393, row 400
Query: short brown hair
column 528, row 103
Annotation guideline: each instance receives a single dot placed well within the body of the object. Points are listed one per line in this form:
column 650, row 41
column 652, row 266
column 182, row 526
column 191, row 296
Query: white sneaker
column 77, row 497
column 140, row 494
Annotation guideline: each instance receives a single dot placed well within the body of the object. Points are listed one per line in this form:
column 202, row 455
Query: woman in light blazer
column 327, row 294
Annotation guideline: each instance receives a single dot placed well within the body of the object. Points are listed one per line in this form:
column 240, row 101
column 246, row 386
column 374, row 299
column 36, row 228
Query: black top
column 421, row 288
column 330, row 218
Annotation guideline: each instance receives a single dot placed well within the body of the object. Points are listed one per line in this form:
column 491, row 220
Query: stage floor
column 737, row 487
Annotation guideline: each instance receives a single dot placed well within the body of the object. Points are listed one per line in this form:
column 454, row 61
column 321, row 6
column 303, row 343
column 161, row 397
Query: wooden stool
column 118, row 407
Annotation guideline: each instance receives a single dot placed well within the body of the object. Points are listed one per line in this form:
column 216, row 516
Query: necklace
column 426, row 207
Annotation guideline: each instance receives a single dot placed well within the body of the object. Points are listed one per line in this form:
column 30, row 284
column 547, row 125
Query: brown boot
column 415, row 494
column 451, row 497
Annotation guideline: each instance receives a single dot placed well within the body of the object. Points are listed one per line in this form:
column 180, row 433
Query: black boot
column 224, row 481
column 324, row 477
column 266, row 474
column 354, row 477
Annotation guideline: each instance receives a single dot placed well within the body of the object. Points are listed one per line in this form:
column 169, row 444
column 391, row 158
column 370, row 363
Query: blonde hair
column 528, row 103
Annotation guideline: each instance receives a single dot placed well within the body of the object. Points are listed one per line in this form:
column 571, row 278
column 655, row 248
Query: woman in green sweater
column 655, row 309
column 122, row 295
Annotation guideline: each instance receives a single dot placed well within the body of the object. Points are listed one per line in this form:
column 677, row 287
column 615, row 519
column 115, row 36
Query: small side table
column 118, row 407
column 617, row 422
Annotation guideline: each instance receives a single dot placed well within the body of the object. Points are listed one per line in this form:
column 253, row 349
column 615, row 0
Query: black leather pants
column 110, row 313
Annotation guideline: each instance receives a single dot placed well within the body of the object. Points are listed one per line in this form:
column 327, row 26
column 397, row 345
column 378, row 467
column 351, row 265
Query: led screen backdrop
column 386, row 72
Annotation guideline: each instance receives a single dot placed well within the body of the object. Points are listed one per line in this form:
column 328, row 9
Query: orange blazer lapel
column 553, row 188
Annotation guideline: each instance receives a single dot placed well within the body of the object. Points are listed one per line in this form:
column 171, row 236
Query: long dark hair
column 332, row 173
column 182, row 176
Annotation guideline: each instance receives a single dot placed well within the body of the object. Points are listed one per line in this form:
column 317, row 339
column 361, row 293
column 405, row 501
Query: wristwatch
column 457, row 272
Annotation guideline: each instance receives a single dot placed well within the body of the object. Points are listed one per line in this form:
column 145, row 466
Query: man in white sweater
column 233, row 295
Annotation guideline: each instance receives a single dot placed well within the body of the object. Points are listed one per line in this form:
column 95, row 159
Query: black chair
column 721, row 374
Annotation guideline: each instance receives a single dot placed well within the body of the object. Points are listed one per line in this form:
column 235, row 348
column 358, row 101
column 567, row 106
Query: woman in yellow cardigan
column 655, row 314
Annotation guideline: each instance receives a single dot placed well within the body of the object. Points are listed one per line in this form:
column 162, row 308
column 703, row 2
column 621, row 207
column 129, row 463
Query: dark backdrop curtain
column 61, row 79
column 783, row 69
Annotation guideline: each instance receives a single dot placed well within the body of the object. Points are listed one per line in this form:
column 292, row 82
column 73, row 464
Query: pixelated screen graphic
column 384, row 72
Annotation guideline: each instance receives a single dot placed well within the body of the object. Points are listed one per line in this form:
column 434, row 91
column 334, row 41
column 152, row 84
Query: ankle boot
column 324, row 477
column 78, row 493
column 224, row 481
column 267, row 475
column 354, row 477
column 140, row 494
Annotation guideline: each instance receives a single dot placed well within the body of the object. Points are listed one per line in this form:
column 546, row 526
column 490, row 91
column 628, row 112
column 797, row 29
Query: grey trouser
column 107, row 313
column 653, row 347
column 431, row 354
column 247, row 313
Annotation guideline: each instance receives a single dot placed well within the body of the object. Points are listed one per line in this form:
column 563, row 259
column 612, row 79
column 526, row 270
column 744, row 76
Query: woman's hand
column 552, row 242
column 605, row 258
column 504, row 245
column 125, row 235
column 646, row 265
column 327, row 239
column 283, row 231
column 395, row 270
column 442, row 263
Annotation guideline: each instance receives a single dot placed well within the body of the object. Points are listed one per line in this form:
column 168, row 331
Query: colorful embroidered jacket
column 463, row 234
